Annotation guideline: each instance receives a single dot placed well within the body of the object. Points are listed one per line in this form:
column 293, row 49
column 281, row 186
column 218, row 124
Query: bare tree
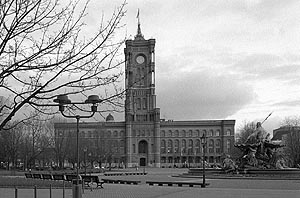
column 244, row 131
column 44, row 52
column 292, row 140
column 10, row 145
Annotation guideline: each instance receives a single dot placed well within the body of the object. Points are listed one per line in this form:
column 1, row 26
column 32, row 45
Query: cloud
column 267, row 66
column 290, row 103
column 201, row 95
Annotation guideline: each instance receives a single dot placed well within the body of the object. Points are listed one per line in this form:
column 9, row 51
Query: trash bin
column 77, row 188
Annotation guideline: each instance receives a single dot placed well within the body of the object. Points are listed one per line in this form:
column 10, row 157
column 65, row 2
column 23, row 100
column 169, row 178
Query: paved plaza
column 217, row 188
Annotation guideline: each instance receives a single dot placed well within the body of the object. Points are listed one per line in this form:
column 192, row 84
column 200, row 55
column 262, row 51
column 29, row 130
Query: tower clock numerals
column 140, row 59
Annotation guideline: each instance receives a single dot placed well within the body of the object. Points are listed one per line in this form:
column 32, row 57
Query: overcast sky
column 222, row 59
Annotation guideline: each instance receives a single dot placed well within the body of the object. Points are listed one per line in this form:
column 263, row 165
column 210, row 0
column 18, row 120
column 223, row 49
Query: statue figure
column 258, row 150
column 257, row 136
column 228, row 164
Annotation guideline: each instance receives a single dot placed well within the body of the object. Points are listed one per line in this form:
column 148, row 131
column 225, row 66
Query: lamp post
column 203, row 141
column 62, row 101
column 84, row 156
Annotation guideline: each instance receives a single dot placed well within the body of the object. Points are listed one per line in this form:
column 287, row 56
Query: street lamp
column 203, row 141
column 63, row 100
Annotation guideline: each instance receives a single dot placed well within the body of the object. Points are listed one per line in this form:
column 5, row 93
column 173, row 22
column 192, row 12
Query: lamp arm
column 77, row 116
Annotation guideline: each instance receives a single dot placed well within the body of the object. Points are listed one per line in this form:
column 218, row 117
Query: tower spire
column 139, row 35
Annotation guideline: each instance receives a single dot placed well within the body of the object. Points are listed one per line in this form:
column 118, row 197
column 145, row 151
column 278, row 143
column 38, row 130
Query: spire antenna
column 139, row 35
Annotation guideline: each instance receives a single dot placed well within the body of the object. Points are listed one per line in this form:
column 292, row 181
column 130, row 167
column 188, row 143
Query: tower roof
column 110, row 118
column 139, row 35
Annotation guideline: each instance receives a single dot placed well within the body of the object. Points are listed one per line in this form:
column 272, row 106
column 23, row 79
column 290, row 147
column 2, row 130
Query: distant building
column 144, row 138
column 281, row 133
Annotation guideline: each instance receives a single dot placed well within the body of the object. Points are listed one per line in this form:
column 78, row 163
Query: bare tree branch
column 44, row 52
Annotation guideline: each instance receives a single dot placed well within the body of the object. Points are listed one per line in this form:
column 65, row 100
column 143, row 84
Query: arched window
column 108, row 134
column 162, row 133
column 183, row 133
column 176, row 133
column 143, row 147
column 190, row 133
column 211, row 133
column 115, row 133
column 218, row 146
column 191, row 150
column 198, row 146
column 170, row 146
column 199, row 133
column 183, row 146
column 196, row 133
column 228, row 145
column 163, row 146
column 176, row 146
column 204, row 132
column 211, row 146
column 228, row 132
column 170, row 133
column 218, row 133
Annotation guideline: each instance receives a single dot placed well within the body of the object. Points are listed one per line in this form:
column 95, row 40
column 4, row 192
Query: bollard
column 82, row 186
column 16, row 192
column 50, row 190
column 64, row 189
column 35, row 192
column 77, row 189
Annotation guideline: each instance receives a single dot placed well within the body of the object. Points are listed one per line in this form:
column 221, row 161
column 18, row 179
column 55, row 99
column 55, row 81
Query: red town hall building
column 144, row 139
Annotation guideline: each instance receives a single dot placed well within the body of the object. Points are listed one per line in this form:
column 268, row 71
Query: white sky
column 221, row 59
column 229, row 59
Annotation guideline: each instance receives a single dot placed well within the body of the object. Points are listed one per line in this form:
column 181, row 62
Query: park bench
column 118, row 181
column 179, row 184
column 37, row 176
column 90, row 179
column 71, row 177
column 28, row 175
column 47, row 176
column 59, row 177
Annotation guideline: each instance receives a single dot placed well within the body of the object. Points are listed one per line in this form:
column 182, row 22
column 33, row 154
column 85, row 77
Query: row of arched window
column 142, row 133
column 192, row 146
column 109, row 134
column 193, row 133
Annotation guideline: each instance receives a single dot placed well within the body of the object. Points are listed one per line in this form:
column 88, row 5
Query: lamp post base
column 77, row 189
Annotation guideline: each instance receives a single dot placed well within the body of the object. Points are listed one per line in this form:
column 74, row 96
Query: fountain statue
column 260, row 152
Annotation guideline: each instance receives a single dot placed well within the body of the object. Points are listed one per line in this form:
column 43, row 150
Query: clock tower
column 142, row 118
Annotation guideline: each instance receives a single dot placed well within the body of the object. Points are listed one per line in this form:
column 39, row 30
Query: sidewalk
column 144, row 191
column 227, row 188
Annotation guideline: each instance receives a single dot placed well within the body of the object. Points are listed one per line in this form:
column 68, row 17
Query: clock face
column 140, row 59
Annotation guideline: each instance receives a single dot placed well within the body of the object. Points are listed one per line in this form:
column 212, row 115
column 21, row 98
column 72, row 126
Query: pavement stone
column 227, row 188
